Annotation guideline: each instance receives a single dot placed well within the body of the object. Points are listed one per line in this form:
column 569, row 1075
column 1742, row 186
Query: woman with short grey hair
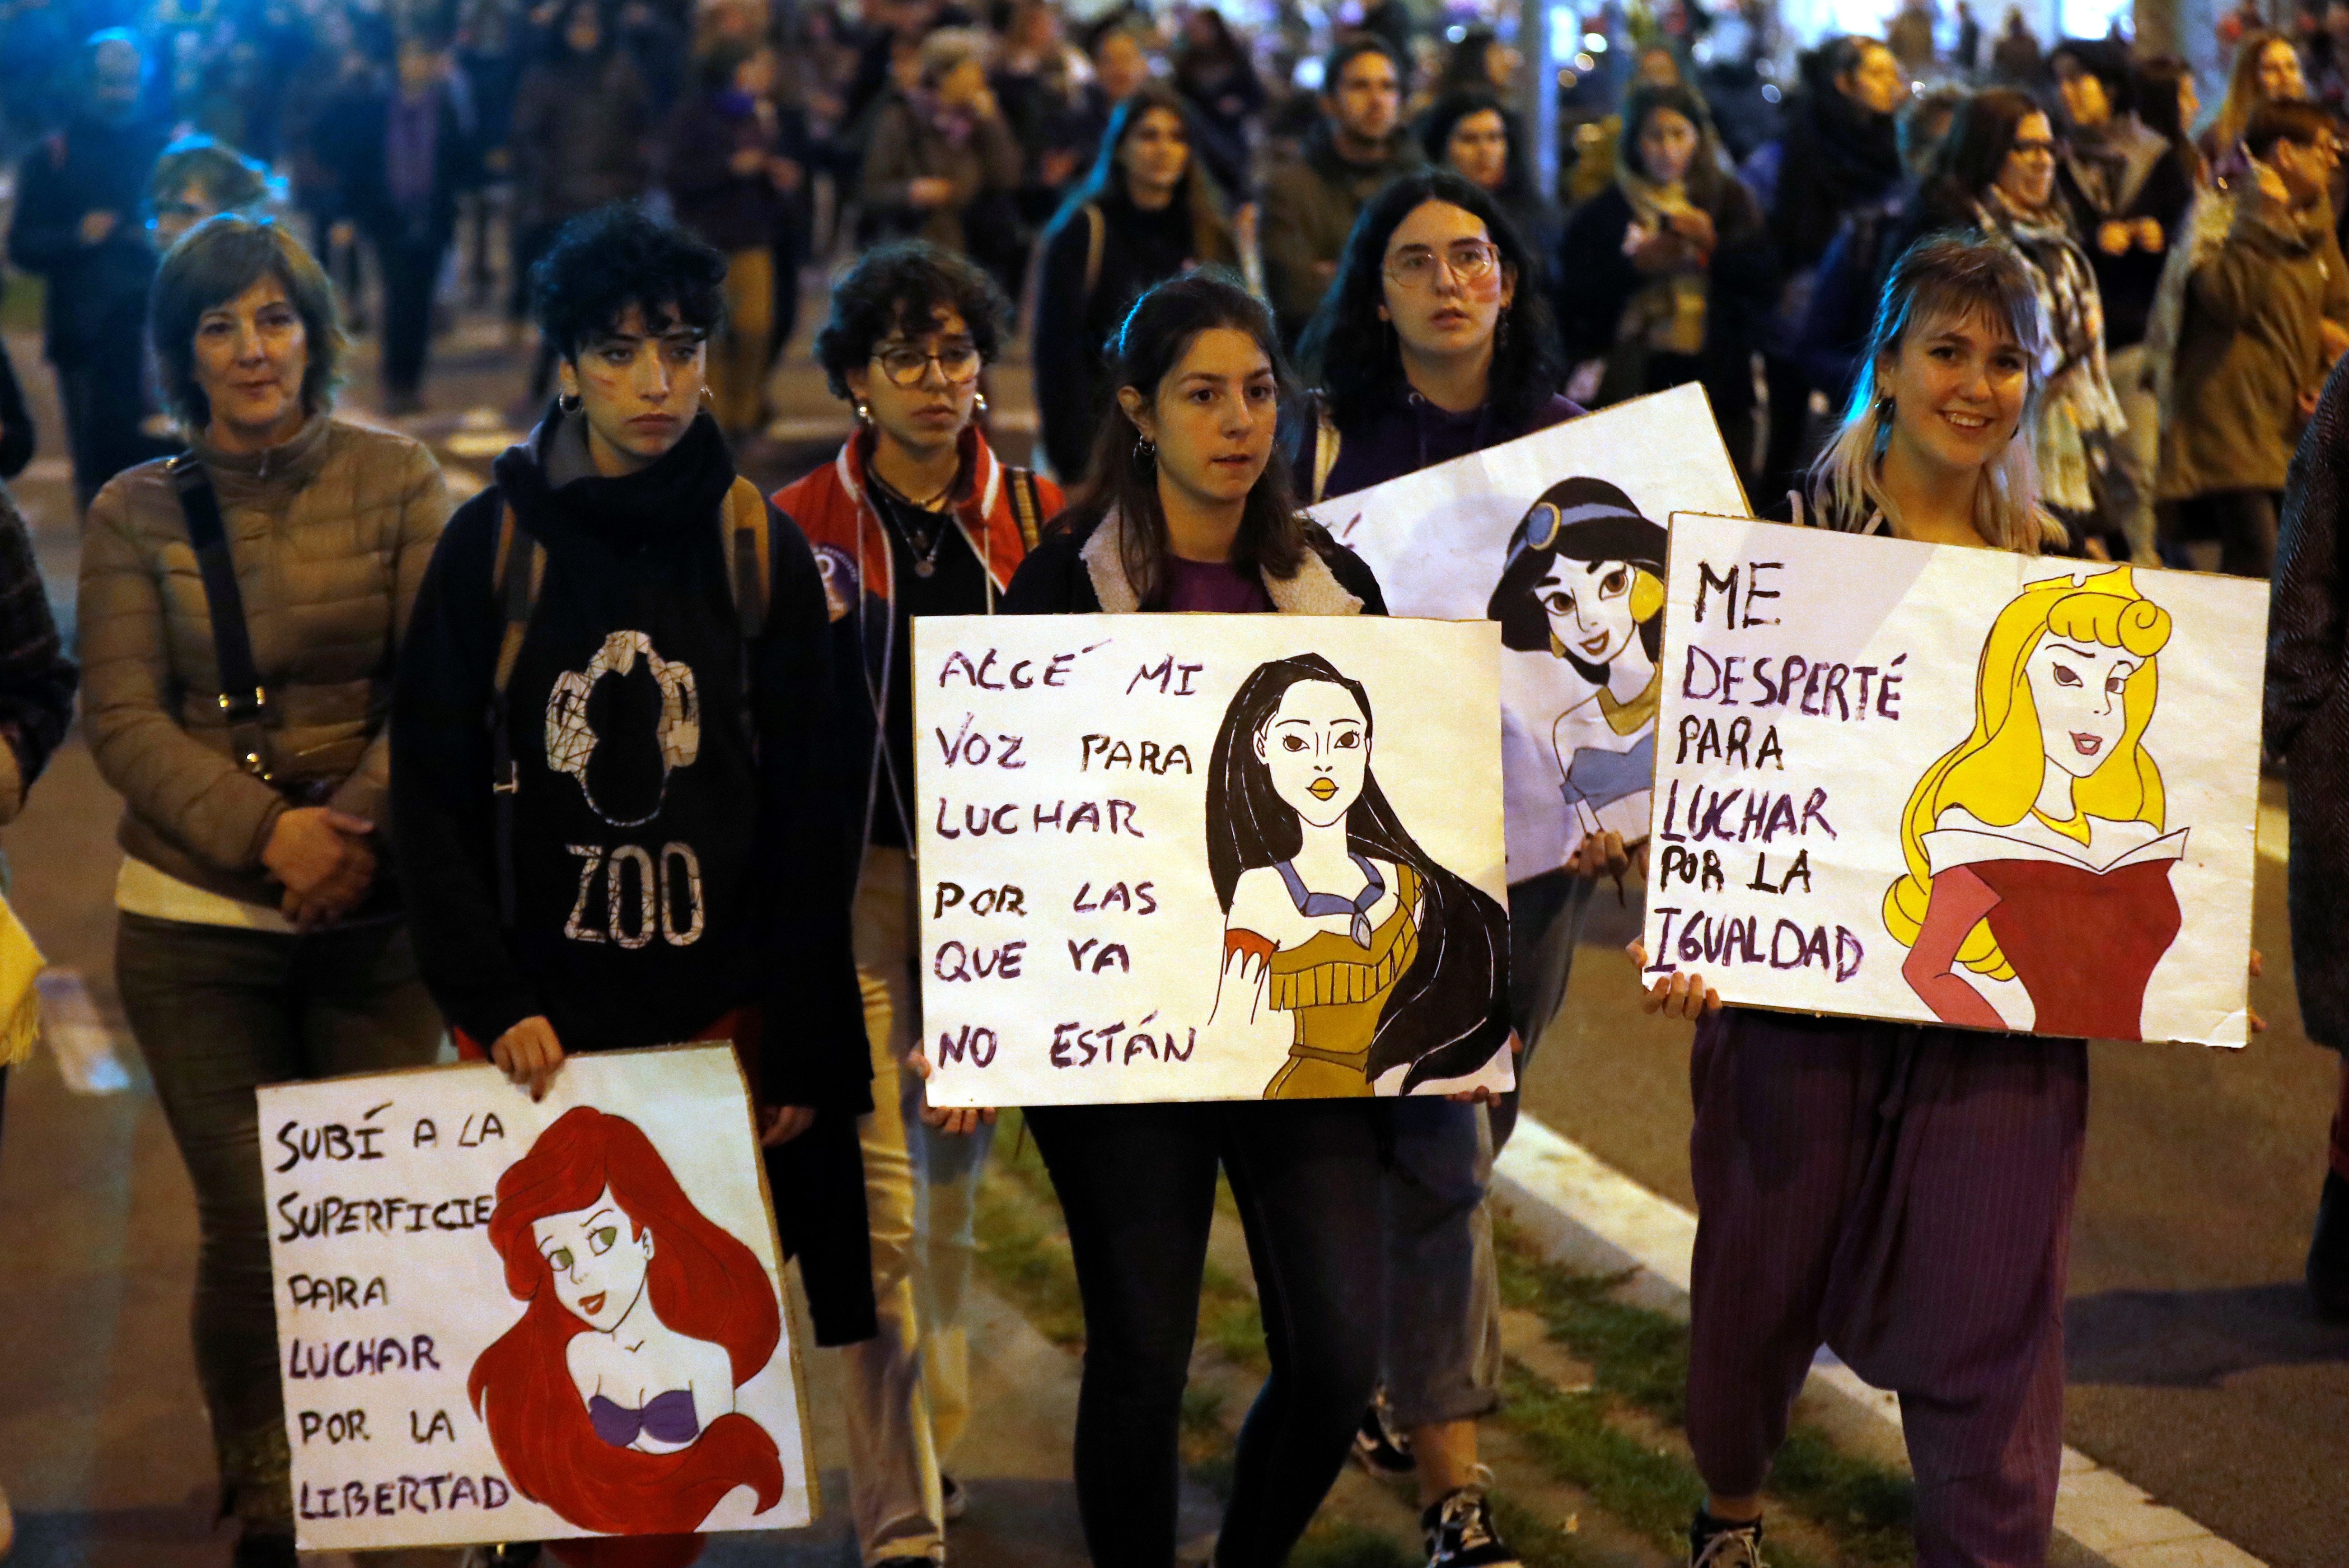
column 241, row 609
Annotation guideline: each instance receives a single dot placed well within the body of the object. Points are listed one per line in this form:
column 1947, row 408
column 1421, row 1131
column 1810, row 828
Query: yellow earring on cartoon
column 1646, row 597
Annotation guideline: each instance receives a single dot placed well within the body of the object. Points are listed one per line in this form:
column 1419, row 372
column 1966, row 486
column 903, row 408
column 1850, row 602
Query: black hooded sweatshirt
column 664, row 871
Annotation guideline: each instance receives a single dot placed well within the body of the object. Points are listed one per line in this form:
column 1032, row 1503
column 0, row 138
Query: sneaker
column 1718, row 1543
column 956, row 1500
column 1377, row 1446
column 2328, row 1251
column 1458, row 1529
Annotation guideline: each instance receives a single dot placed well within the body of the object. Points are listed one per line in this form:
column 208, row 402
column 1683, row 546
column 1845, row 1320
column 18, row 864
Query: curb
column 1584, row 1213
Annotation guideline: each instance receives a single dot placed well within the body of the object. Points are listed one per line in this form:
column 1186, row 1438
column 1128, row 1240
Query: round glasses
column 1470, row 260
column 905, row 364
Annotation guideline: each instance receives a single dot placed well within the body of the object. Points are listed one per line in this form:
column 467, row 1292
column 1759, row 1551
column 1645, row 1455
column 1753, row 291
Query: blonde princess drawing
column 2037, row 849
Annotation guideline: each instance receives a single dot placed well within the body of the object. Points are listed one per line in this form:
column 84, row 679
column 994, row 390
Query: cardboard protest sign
column 502, row 1321
column 1559, row 537
column 1939, row 784
column 1208, row 857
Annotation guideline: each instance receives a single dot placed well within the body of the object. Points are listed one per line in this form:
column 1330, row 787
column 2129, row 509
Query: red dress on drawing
column 2083, row 924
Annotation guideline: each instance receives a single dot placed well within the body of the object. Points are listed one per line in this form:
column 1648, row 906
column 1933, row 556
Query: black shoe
column 256, row 1550
column 1723, row 1544
column 1379, row 1448
column 1458, row 1529
column 2328, row 1251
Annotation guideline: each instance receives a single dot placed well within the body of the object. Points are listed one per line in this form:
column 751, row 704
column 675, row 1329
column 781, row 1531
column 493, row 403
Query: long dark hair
column 1981, row 136
column 1444, row 1017
column 2159, row 106
column 1579, row 520
column 1704, row 178
column 1123, row 477
column 1448, row 112
column 1211, row 232
column 1359, row 379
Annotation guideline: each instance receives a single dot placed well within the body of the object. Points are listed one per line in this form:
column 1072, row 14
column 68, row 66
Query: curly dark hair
column 620, row 255
column 902, row 287
column 1526, row 368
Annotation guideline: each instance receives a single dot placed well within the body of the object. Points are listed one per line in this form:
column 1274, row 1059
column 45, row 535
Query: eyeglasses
column 1470, row 260
column 904, row 363
column 2023, row 146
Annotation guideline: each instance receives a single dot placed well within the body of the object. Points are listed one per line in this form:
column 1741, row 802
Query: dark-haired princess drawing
column 2039, row 847
column 612, row 1401
column 1392, row 970
column 1584, row 582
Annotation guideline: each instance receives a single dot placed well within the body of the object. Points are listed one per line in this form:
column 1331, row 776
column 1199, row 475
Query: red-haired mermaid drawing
column 2037, row 848
column 612, row 1401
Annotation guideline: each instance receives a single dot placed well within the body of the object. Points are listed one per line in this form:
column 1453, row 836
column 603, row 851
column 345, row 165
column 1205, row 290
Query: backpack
column 745, row 544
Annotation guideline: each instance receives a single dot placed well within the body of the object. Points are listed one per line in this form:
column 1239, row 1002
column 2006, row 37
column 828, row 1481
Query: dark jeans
column 2243, row 522
column 411, row 265
column 103, row 396
column 1137, row 1184
column 217, row 1013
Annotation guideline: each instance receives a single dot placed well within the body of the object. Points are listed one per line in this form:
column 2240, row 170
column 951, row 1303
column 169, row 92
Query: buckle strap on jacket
column 243, row 703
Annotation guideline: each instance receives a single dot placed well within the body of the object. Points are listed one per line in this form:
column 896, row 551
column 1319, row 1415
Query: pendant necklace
column 924, row 550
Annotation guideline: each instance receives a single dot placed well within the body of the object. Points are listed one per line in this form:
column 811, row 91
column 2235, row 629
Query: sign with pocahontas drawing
column 1936, row 784
column 507, row 1320
column 1189, row 857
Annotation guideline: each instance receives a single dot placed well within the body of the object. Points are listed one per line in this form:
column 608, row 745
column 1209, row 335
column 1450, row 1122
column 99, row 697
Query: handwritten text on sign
column 1940, row 784
column 428, row 1404
column 1107, row 916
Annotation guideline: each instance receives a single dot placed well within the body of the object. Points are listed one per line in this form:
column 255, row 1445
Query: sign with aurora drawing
column 1183, row 857
column 1936, row 784
column 506, row 1321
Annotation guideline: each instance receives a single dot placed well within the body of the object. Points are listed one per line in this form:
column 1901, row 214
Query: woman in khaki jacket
column 260, row 939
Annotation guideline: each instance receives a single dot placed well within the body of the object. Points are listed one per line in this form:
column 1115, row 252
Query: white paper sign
column 502, row 1321
column 1939, row 784
column 1208, row 857
column 1559, row 536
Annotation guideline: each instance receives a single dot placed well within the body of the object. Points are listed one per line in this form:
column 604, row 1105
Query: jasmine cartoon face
column 1589, row 604
column 1317, row 749
column 2077, row 689
column 596, row 1260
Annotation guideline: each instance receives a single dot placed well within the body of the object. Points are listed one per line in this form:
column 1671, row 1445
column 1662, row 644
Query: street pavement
column 2197, row 1368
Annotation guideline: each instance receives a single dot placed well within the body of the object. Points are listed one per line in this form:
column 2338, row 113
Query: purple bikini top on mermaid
column 666, row 1418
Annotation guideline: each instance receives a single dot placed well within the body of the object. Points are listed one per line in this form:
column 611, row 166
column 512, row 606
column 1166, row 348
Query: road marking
column 2275, row 834
column 84, row 1044
column 1584, row 1211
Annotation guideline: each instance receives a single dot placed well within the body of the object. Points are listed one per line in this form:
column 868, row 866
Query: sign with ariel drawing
column 1559, row 537
column 1939, row 784
column 506, row 1321
column 1208, row 857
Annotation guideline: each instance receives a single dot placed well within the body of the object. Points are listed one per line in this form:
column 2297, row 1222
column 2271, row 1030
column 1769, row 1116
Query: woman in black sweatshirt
column 643, row 846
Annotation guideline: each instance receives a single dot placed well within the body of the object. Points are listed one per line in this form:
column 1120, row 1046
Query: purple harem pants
column 1903, row 1196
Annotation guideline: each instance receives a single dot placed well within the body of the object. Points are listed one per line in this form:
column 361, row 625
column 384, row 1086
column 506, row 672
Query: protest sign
column 506, row 1321
column 1208, row 857
column 1558, row 536
column 1932, row 783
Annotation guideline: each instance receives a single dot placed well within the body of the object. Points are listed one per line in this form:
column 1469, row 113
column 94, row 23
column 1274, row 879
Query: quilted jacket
column 330, row 534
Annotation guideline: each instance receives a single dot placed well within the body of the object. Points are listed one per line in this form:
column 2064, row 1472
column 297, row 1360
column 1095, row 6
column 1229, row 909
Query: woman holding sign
column 1195, row 513
column 1843, row 1191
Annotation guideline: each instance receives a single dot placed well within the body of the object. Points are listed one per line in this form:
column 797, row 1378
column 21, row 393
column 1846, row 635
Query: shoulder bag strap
column 244, row 704
column 520, row 564
column 748, row 550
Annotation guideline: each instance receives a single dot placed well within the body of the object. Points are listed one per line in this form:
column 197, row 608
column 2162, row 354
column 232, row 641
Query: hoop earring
column 568, row 402
column 1145, row 452
column 1884, row 407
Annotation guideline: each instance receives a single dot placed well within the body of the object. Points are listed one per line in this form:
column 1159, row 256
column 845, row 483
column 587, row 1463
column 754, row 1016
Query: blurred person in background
column 1996, row 173
column 260, row 938
column 1034, row 78
column 915, row 517
column 1309, row 202
column 942, row 165
column 1841, row 153
column 1213, row 74
column 401, row 156
column 490, row 44
column 2168, row 103
column 2015, row 59
column 1145, row 211
column 1667, row 276
column 2128, row 187
column 1480, row 61
column 77, row 226
column 736, row 168
column 582, row 136
column 2265, row 316
column 1468, row 132
column 196, row 177
column 1119, row 53
column 2266, row 70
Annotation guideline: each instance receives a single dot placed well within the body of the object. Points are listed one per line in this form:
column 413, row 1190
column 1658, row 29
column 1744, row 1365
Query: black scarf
column 686, row 485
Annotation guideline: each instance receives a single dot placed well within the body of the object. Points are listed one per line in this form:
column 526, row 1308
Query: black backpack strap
column 244, row 704
column 748, row 549
column 1026, row 503
column 520, row 564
